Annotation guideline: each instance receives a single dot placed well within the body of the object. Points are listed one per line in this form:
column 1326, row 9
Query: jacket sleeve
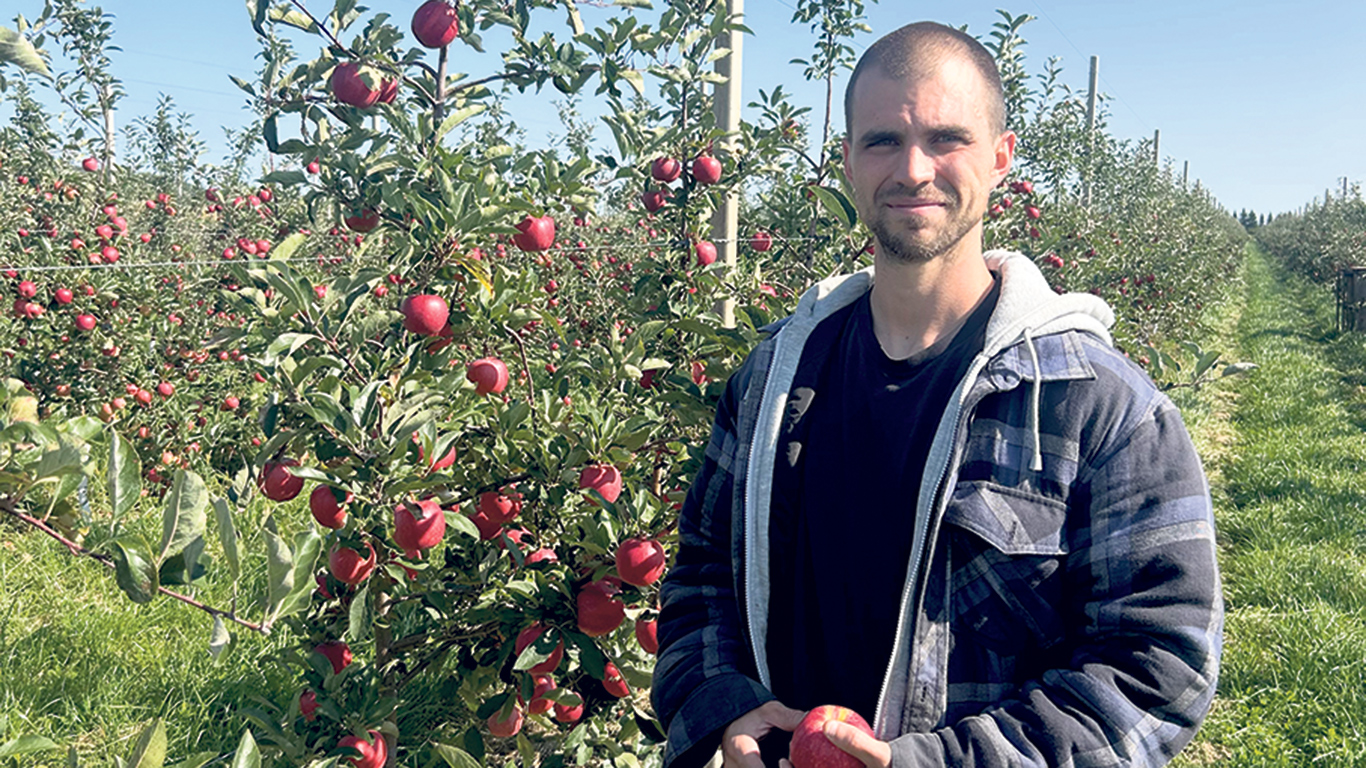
column 705, row 675
column 1138, row 670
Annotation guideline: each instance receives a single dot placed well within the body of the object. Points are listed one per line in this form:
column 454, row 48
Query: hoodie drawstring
column 1036, row 464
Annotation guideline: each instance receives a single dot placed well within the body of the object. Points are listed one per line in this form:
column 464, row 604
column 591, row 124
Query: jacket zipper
column 914, row 577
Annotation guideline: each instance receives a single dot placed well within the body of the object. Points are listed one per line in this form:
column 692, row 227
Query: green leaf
column 359, row 617
column 227, row 536
column 134, row 573
column 271, row 133
column 287, row 178
column 456, row 757
column 17, row 50
column 247, row 755
column 197, row 760
column 836, row 204
column 184, row 518
column 150, row 751
column 125, row 475
column 25, row 745
column 457, row 117
column 279, row 568
column 288, row 246
column 219, row 637
column 307, row 545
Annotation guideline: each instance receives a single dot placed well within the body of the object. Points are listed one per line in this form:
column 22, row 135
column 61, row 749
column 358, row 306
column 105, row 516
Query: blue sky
column 1264, row 99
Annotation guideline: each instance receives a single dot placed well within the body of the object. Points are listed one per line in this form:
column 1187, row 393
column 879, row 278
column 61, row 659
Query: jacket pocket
column 1007, row 549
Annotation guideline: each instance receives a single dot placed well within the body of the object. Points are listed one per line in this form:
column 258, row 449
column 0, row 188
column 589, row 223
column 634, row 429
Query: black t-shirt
column 851, row 454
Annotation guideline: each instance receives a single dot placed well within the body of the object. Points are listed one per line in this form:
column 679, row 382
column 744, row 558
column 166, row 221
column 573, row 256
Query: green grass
column 84, row 666
column 1289, row 489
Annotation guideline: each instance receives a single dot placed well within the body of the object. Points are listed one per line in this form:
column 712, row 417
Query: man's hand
column 869, row 751
column 740, row 742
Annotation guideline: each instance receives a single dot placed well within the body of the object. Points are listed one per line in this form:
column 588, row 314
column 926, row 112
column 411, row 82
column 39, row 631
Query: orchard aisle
column 1289, row 482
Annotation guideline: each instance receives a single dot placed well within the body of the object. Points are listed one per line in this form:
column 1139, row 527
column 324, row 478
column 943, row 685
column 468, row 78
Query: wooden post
column 725, row 222
column 1157, row 147
column 1185, row 173
column 1091, row 127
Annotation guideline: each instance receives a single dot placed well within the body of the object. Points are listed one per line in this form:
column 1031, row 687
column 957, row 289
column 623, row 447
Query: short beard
column 906, row 251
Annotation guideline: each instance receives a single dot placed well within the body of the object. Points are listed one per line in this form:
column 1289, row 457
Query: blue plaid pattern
column 1069, row 617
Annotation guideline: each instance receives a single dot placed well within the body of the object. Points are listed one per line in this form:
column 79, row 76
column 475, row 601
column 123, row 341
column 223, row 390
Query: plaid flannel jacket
column 1065, row 609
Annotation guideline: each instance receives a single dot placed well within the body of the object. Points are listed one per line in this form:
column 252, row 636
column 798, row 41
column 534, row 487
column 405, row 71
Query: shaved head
column 919, row 49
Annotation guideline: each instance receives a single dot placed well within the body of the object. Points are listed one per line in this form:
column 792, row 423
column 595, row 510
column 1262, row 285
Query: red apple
column 364, row 221
column 647, row 634
column 603, row 478
column 498, row 508
column 761, row 241
column 90, row 164
column 338, row 653
column 308, row 705
column 275, row 480
column 388, row 91
column 706, row 253
column 811, row 749
column 373, row 753
column 166, row 389
column 326, row 508
column 347, row 565
column 568, row 714
column 640, row 561
column 599, row 610
column 528, row 636
column 425, row 314
column 535, row 234
column 350, row 88
column 539, row 704
column 85, row 322
column 654, row 199
column 706, row 169
column 436, row 24
column 489, row 374
column 412, row 533
column 666, row 169
column 28, row 289
column 507, row 727
column 64, row 296
column 488, row 529
column 230, row 403
column 614, row 682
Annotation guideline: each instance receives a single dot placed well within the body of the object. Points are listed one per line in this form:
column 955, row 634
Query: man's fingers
column 742, row 751
column 787, row 718
column 869, row 750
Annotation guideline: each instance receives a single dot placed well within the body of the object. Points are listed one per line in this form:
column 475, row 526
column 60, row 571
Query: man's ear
column 1005, row 155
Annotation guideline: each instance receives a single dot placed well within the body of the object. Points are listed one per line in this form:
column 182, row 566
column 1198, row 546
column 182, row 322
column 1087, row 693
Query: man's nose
column 916, row 167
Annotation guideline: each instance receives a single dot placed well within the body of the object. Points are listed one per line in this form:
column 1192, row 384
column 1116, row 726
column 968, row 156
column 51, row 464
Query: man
column 939, row 496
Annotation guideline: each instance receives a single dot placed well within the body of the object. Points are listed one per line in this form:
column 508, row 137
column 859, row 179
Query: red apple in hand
column 425, row 314
column 373, row 753
column 436, row 24
column 412, row 533
column 603, row 478
column 811, row 749
column 640, row 561
column 489, row 374
column 535, row 234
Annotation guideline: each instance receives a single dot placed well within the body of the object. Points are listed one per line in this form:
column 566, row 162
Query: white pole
column 725, row 222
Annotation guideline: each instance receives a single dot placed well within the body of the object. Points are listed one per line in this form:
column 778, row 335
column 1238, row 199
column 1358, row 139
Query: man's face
column 922, row 157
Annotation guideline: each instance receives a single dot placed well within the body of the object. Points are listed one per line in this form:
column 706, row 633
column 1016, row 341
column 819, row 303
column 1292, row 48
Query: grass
column 1288, row 487
column 1285, row 449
